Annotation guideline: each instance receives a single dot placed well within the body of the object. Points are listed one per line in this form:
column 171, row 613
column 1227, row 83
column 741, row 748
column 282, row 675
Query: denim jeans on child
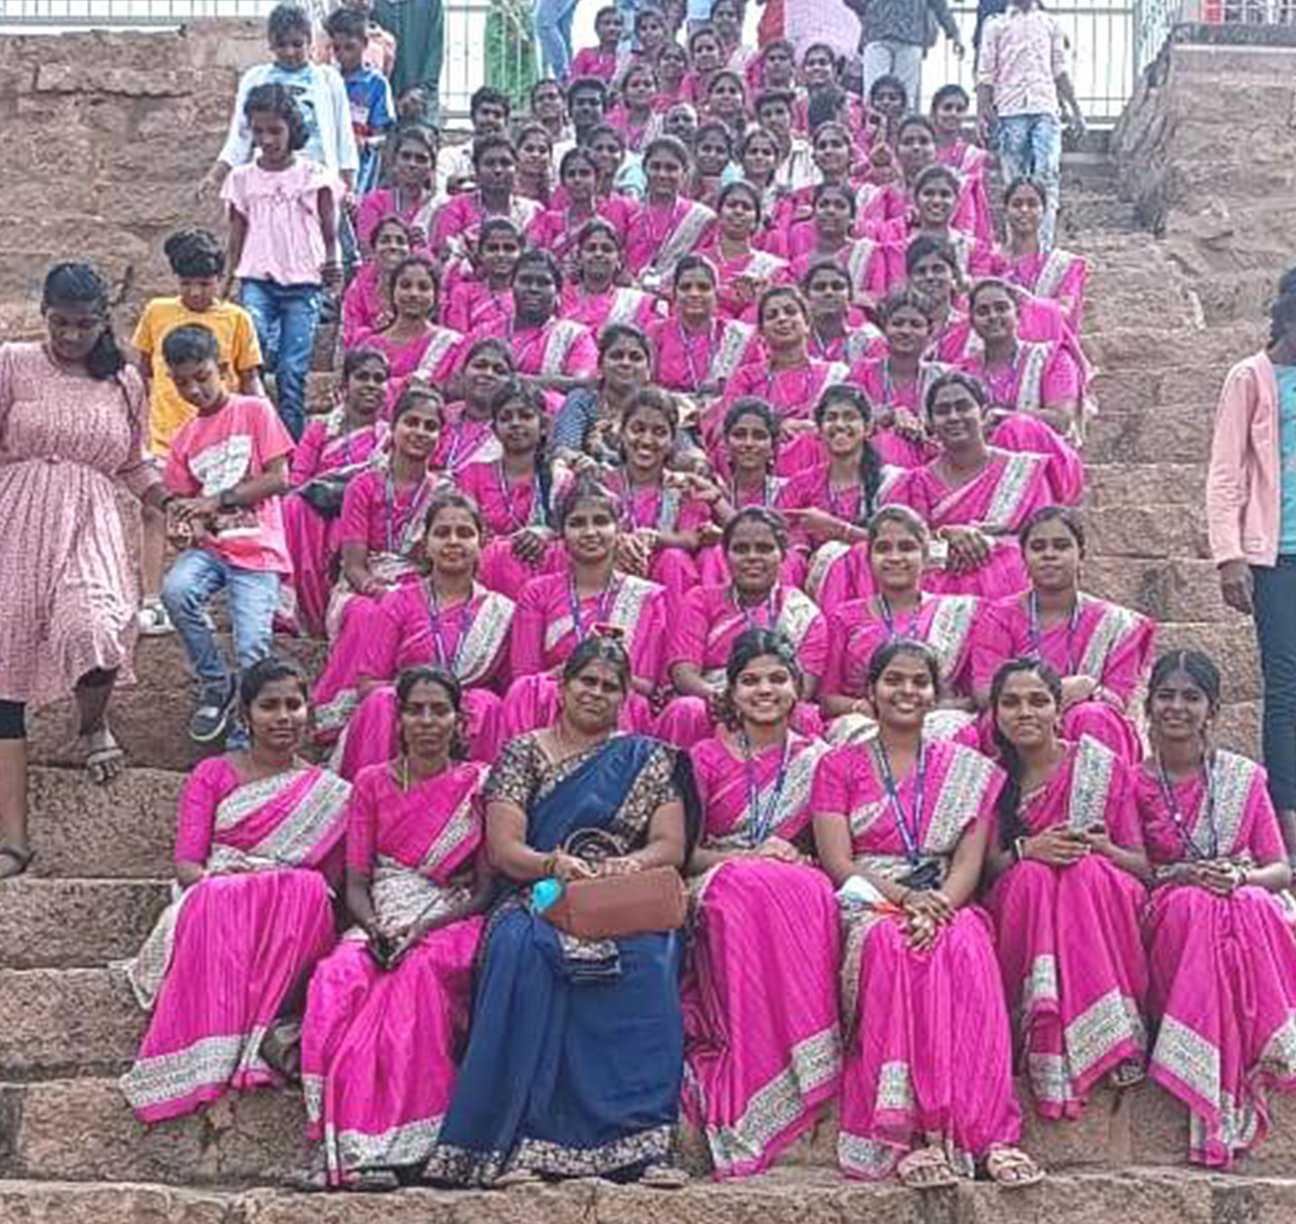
column 1030, row 146
column 285, row 317
column 187, row 592
column 1275, row 620
column 553, row 27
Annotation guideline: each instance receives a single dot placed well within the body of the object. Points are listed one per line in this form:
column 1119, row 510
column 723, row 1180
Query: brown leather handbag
column 613, row 907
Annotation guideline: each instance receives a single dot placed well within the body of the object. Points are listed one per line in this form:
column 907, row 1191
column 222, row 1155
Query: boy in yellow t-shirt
column 197, row 258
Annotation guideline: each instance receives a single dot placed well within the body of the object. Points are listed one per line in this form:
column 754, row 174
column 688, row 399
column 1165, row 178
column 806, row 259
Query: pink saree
column 999, row 498
column 687, row 361
column 1068, row 939
column 471, row 642
column 620, row 304
column 661, row 237
column 548, row 625
column 365, row 306
column 509, row 507
column 431, row 357
column 761, row 1040
column 228, row 952
column 1058, row 275
column 314, row 542
column 378, row 1047
column 662, row 508
column 1110, row 644
column 1222, row 969
column 707, row 622
column 928, row 1051
column 472, row 305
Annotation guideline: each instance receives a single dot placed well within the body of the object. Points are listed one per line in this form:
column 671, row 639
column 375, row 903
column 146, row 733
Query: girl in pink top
column 935, row 196
column 592, row 296
column 974, row 497
column 445, row 620
column 829, row 502
column 484, row 299
column 828, row 236
column 634, row 116
column 915, row 148
column 376, row 1089
column 412, row 196
column 744, row 273
column 256, row 832
column 559, row 611
column 415, row 347
column 839, row 331
column 1101, row 650
column 1067, row 897
column 1042, row 378
column 927, row 1088
column 709, row 619
column 949, row 110
column 283, row 214
column 600, row 62
column 706, row 58
column 535, row 163
column 515, row 493
column 697, row 351
column 760, row 986
column 457, row 223
column 897, row 607
column 1054, row 274
column 339, row 446
column 382, row 512
column 790, row 380
column 558, row 230
column 670, row 226
column 831, row 151
column 366, row 305
column 932, row 267
column 662, row 526
column 1218, row 929
column 469, row 433
column 672, row 72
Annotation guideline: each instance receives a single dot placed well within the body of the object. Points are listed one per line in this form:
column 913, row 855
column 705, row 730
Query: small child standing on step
column 197, row 260
column 283, row 245
column 226, row 470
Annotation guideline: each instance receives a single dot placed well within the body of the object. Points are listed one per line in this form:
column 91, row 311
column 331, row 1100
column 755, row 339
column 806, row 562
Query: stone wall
column 105, row 136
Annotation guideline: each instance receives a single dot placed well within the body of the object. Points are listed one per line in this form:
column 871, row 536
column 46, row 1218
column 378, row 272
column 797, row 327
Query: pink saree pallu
column 762, row 1045
column 1069, row 941
column 230, row 950
column 1222, row 969
column 999, row 498
column 379, row 1046
column 928, row 1054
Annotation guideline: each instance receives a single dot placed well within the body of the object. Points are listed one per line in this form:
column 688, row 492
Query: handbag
column 324, row 494
column 613, row 907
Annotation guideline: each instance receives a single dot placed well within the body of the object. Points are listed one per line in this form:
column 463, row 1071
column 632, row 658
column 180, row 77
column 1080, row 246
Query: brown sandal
column 1012, row 1169
column 926, row 1168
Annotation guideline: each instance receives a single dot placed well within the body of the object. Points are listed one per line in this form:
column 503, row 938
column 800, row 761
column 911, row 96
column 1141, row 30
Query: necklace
column 889, row 617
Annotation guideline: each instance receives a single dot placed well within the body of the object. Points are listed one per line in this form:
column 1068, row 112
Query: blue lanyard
column 444, row 658
column 909, row 833
column 506, row 496
column 889, row 618
column 1035, row 632
column 762, row 816
column 749, row 615
column 605, row 600
column 1177, row 816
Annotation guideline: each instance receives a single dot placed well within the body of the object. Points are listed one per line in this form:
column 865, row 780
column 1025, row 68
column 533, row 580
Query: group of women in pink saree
column 716, row 520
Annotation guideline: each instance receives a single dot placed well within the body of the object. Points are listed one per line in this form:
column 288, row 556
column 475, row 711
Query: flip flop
column 664, row 1177
column 22, row 859
column 104, row 759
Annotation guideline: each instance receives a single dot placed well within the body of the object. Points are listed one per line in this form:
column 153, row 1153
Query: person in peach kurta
column 72, row 427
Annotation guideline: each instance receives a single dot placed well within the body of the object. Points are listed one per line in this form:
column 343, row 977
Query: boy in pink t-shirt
column 225, row 473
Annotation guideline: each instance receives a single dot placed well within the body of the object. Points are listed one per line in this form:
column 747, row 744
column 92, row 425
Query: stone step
column 1157, row 436
column 1148, row 531
column 1148, row 1196
column 149, row 716
column 56, row 1022
column 74, row 924
column 1129, row 484
column 125, row 830
column 1174, row 589
column 82, row 1129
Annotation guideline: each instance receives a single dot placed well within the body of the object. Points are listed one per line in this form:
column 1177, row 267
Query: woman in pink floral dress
column 72, row 420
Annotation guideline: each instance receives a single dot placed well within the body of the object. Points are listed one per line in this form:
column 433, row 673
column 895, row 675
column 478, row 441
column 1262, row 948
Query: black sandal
column 22, row 859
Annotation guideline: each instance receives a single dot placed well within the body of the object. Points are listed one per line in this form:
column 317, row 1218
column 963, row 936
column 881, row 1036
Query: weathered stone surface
column 1124, row 484
column 65, row 1021
column 76, row 923
column 38, row 1202
column 123, row 830
column 1146, row 531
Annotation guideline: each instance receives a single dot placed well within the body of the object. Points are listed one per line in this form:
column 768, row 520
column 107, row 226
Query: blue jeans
column 886, row 57
column 1275, row 619
column 285, row 317
column 1030, row 146
column 187, row 591
column 553, row 27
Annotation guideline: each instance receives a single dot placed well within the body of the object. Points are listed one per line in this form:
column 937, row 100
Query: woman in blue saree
column 574, row 1061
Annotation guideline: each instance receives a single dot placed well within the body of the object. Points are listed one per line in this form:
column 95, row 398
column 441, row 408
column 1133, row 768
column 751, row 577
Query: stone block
column 83, row 1129
column 123, row 830
column 107, row 77
column 1146, row 531
column 41, row 1202
column 1154, row 436
column 1238, row 728
column 66, row 1021
column 1132, row 484
column 76, row 923
column 1170, row 590
column 1230, row 644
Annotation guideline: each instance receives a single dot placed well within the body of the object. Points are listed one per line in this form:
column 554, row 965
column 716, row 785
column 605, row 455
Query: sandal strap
column 22, row 857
